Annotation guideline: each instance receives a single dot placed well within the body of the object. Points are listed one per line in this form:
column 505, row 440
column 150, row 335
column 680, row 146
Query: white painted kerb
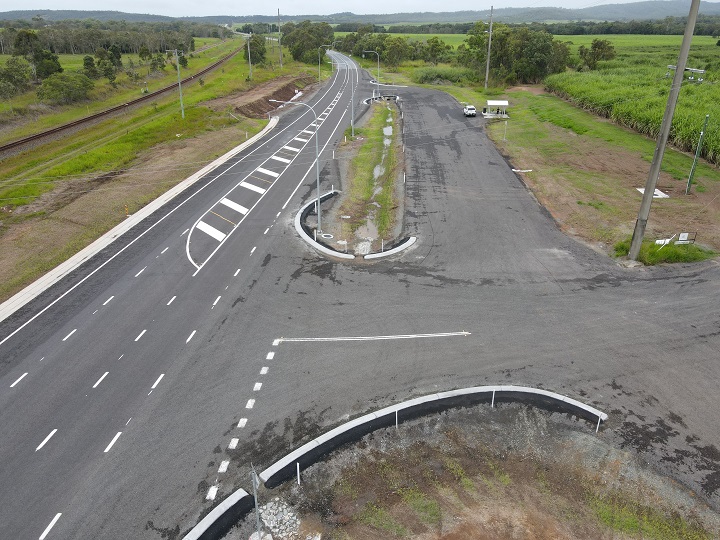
column 215, row 514
column 410, row 241
column 309, row 240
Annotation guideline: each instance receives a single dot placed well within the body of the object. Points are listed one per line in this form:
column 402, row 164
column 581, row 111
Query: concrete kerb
column 397, row 249
column 300, row 217
column 30, row 292
column 222, row 517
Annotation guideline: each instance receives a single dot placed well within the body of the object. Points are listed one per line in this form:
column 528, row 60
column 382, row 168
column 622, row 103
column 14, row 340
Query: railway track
column 16, row 146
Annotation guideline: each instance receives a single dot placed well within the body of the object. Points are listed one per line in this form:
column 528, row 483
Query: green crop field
column 633, row 88
column 451, row 39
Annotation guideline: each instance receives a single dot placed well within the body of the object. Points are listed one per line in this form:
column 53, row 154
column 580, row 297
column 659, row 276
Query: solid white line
column 270, row 356
column 171, row 300
column 212, row 492
column 212, row 231
column 253, row 250
column 280, row 159
column 292, row 148
column 52, row 524
column 100, row 379
column 266, row 230
column 164, row 250
column 379, row 338
column 257, row 387
column 223, row 466
column 19, row 379
column 186, row 230
column 236, row 272
column 250, row 404
column 216, row 300
column 140, row 272
column 141, row 335
column 70, row 334
column 242, row 422
column 106, row 302
column 190, row 337
column 252, row 187
column 240, row 209
column 233, row 443
column 115, row 438
column 264, row 371
column 157, row 382
column 46, row 439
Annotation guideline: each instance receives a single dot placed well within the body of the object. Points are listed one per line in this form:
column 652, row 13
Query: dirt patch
column 254, row 102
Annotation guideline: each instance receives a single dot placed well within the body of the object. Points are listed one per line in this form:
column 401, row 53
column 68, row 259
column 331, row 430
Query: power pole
column 279, row 38
column 697, row 154
column 249, row 60
column 487, row 64
column 651, row 182
column 177, row 65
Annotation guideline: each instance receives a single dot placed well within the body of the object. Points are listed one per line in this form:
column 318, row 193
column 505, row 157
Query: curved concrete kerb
column 397, row 249
column 300, row 216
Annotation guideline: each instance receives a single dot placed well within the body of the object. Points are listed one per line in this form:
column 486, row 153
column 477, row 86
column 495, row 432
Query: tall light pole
column 177, row 65
column 651, row 182
column 487, row 64
column 378, row 69
column 317, row 153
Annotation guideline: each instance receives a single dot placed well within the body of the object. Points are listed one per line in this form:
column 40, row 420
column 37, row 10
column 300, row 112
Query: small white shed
column 496, row 108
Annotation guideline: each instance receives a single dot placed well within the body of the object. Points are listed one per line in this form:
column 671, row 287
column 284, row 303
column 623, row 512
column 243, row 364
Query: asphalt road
column 189, row 333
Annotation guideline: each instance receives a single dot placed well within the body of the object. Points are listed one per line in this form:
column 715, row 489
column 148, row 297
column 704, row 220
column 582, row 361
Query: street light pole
column 317, row 153
column 378, row 70
column 177, row 65
column 487, row 64
column 651, row 182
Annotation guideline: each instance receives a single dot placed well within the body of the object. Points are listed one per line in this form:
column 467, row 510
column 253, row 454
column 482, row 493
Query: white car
column 469, row 110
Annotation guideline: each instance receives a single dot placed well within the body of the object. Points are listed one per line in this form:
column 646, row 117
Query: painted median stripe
column 280, row 159
column 252, row 187
column 301, row 140
column 52, row 524
column 291, row 148
column 268, row 172
column 212, row 231
column 235, row 206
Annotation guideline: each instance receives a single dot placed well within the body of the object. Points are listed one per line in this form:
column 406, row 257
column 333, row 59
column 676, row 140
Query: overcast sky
column 181, row 8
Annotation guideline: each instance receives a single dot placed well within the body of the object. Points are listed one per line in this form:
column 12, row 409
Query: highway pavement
column 137, row 400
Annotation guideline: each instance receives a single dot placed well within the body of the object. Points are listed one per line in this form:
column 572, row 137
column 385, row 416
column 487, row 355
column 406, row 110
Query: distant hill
column 649, row 10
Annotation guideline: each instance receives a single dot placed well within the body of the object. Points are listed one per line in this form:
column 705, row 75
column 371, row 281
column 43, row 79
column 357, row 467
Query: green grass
column 651, row 253
column 427, row 509
column 379, row 518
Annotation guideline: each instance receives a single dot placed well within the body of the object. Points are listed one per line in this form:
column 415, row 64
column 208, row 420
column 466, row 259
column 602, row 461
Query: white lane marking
column 242, row 422
column 52, row 524
column 100, row 379
column 253, row 250
column 126, row 423
column 276, row 342
column 190, row 336
column 18, row 380
column 46, row 439
column 186, row 230
column 94, row 312
column 379, row 338
column 278, row 215
column 115, row 438
column 171, row 300
column 223, row 466
column 307, row 131
column 291, row 148
column 121, row 356
column 106, row 302
column 216, row 301
column 43, row 358
column 140, row 335
column 270, row 356
column 264, row 371
column 164, row 250
column 250, row 404
column 70, row 334
column 140, row 272
column 157, row 382
column 212, row 492
column 233, row 443
column 212, row 231
column 252, row 187
column 301, row 140
column 266, row 230
column 240, row 209
column 257, row 387
column 268, row 172
column 236, row 272
column 280, row 159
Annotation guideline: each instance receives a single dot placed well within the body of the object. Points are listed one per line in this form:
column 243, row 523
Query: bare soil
column 254, row 103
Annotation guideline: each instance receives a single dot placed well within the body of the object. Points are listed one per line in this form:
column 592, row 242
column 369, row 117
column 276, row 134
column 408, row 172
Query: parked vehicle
column 469, row 110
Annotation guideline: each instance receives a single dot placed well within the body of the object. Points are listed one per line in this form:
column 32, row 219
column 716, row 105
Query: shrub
column 64, row 88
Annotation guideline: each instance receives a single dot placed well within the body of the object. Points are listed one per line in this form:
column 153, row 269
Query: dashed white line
column 190, row 336
column 278, row 215
column 253, row 250
column 233, row 443
column 223, row 466
column 266, row 230
column 121, row 356
column 140, row 272
column 242, row 422
column 158, row 381
column 212, row 492
column 216, row 301
column 52, row 524
column 18, row 380
column 257, row 387
column 70, row 334
column 270, row 356
column 264, row 371
column 46, row 439
column 186, row 230
column 250, row 404
column 94, row 312
column 126, row 423
column 100, row 379
column 276, row 342
column 236, row 272
column 171, row 300
column 106, row 302
column 141, row 335
column 115, row 438
column 164, row 250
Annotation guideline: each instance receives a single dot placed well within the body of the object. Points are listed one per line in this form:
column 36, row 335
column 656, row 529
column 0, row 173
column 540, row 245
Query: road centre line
column 185, row 231
column 216, row 301
column 70, row 334
column 164, row 250
column 236, row 272
column 115, row 438
column 233, row 443
column 106, row 302
column 253, row 250
column 257, row 387
column 242, row 423
column 140, row 272
column 157, row 382
column 94, row 312
column 46, row 439
column 171, row 300
column 377, row 338
column 52, row 524
column 250, row 404
column 18, row 380
column 266, row 230
column 264, row 370
column 224, row 466
column 270, row 356
column 190, row 336
column 100, row 379
column 140, row 335
column 223, row 218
